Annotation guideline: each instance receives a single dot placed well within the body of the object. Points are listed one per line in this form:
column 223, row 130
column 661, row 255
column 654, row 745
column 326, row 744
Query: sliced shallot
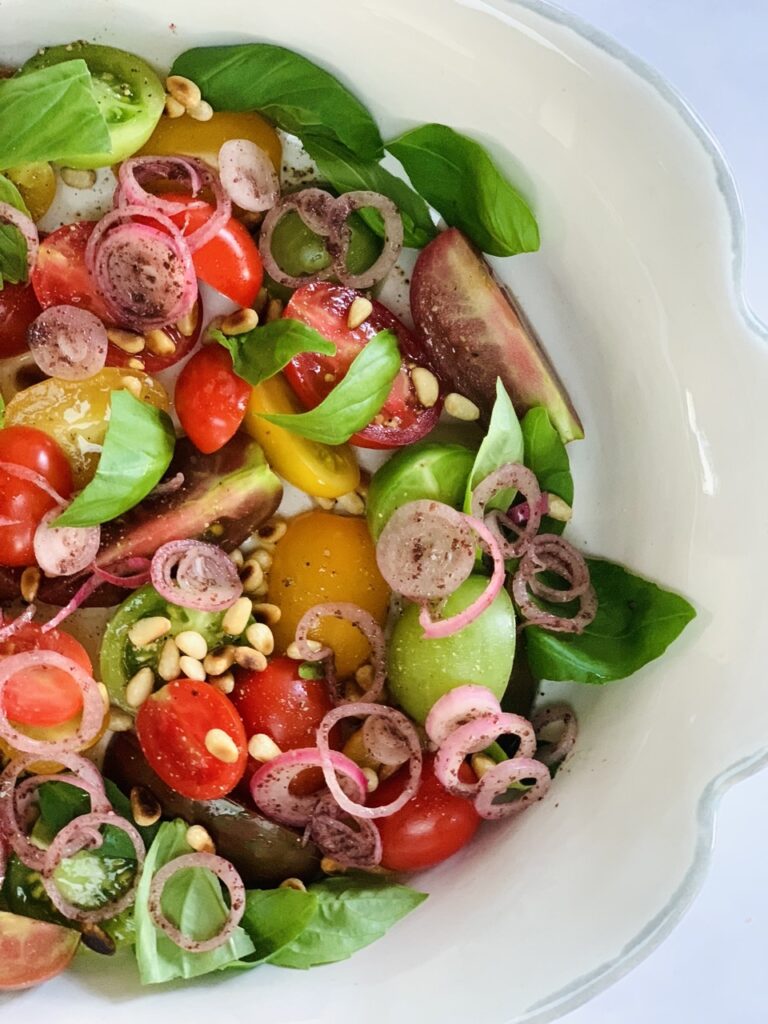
column 457, row 707
column 508, row 788
column 548, row 553
column 64, row 550
column 130, row 573
column 32, row 477
column 314, row 207
column 7, row 629
column 248, row 175
column 473, row 737
column 351, row 202
column 68, row 342
column 360, row 619
column 350, row 841
column 79, row 598
column 271, row 784
column 384, row 741
column 225, row 872
column 550, row 752
column 16, row 219
column 193, row 574
column 520, row 478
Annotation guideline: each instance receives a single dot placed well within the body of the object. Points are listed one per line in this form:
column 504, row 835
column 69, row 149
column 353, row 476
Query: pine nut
column 173, row 108
column 237, row 557
column 272, row 531
column 329, row 866
column 240, row 322
column 262, row 747
column 326, row 503
column 145, row 807
column 292, row 650
column 461, row 408
column 119, row 720
column 132, row 384
column 29, row 582
column 269, row 613
column 236, row 618
column 481, row 763
column 264, row 558
column 199, row 839
column 219, row 661
column 364, row 676
column 351, row 503
column 76, row 178
column 274, row 310
column 293, row 883
column 126, row 341
column 146, row 631
column 202, row 112
column 359, row 312
column 190, row 642
column 248, row 658
column 224, row 682
column 559, row 509
column 104, row 695
column 139, row 687
column 96, row 939
column 220, row 745
column 357, row 751
column 191, row 668
column 168, row 667
column 252, row 576
column 259, row 636
column 134, row 363
column 352, row 692
column 371, row 780
column 159, row 343
column 425, row 385
column 188, row 323
column 184, row 91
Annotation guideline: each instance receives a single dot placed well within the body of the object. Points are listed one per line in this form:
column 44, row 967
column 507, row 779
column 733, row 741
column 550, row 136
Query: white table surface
column 712, row 968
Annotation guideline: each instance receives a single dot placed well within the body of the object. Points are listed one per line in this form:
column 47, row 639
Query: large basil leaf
column 502, row 443
column 546, row 456
column 138, row 447
column 456, row 175
column 300, row 97
column 264, row 351
column 635, row 623
column 13, row 247
column 61, row 803
column 274, row 918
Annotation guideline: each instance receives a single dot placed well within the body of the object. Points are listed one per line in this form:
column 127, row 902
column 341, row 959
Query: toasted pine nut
column 104, row 695
column 259, row 636
column 272, row 531
column 293, row 883
column 29, row 582
column 461, row 408
column 329, row 866
column 199, row 839
column 224, row 682
column 351, row 503
column 371, row 779
column 159, row 343
column 188, row 323
column 236, row 618
column 76, row 178
column 426, row 386
column 134, row 363
column 146, row 631
column 192, row 668
column 190, row 642
column 220, row 745
column 237, row 557
column 262, row 747
column 269, row 613
column 326, row 503
column 145, row 808
column 132, row 384
column 357, row 751
column 240, row 322
column 264, row 558
column 202, row 112
column 292, row 650
column 139, row 687
column 274, row 310
column 481, row 763
column 252, row 576
column 359, row 312
column 364, row 676
column 247, row 657
column 184, row 91
column 173, row 108
column 126, row 341
column 168, row 666
column 219, row 661
column 352, row 691
column 95, row 938
column 119, row 720
column 559, row 509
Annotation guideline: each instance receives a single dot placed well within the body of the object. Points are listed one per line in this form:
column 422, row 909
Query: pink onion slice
column 314, row 207
column 64, row 550
column 68, row 342
column 169, row 486
column 519, row 477
column 410, row 737
column 550, row 553
column 193, row 574
column 553, row 753
column 384, row 742
column 349, row 203
column 130, row 573
column 80, row 834
column 350, row 841
column 80, row 597
column 225, row 872
column 16, row 219
column 93, row 705
column 271, row 784
column 496, row 796
column 457, row 707
column 473, row 737
column 248, row 176
column 32, row 477
column 360, row 619
column 426, row 550
column 8, row 629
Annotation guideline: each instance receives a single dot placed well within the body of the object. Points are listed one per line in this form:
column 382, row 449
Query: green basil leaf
column 300, row 97
column 61, row 803
column 137, row 451
column 546, row 456
column 192, row 900
column 13, row 246
column 355, row 400
column 636, row 621
column 456, row 175
column 50, row 114
column 352, row 912
column 274, row 918
column 502, row 443
column 347, row 173
column 264, row 351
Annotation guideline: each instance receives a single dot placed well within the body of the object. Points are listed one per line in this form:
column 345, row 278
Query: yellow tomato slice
column 52, row 734
column 327, row 557
column 317, row 469
column 37, row 184
column 183, row 136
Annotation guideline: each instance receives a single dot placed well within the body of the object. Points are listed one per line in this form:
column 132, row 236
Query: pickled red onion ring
column 511, row 475
column 16, row 219
column 554, row 753
column 205, row 576
column 225, row 872
column 457, row 707
column 32, row 477
column 550, row 553
column 137, row 569
column 360, row 619
column 349, row 203
column 80, row 597
column 68, row 342
column 473, row 737
column 248, row 176
column 384, row 742
column 8, row 629
column 494, row 790
column 271, row 784
column 314, row 207
column 350, row 841
column 64, row 550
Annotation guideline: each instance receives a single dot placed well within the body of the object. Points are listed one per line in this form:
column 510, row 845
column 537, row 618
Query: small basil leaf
column 546, row 456
column 264, row 351
column 353, row 911
column 355, row 400
column 13, row 247
column 51, row 114
column 347, row 173
column 502, row 443
column 61, row 803
column 274, row 918
column 311, row 670
column 137, row 451
column 635, row 623
column 456, row 175
column 300, row 97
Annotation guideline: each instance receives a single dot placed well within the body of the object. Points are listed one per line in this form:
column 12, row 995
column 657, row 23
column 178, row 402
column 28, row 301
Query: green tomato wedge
column 128, row 92
column 422, row 670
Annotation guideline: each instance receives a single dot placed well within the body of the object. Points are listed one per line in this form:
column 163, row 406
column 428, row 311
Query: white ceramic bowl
column 636, row 293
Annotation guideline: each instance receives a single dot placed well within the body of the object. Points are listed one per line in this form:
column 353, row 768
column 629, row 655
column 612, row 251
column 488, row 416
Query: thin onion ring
column 553, row 754
column 550, row 553
column 206, row 577
column 458, row 706
column 26, row 226
column 348, row 203
column 360, row 619
column 473, row 737
column 353, row 845
column 270, row 784
column 497, row 781
column 510, row 475
column 314, row 207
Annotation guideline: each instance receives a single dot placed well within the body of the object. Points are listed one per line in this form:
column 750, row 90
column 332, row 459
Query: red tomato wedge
column 403, row 419
column 43, row 696
column 32, row 951
column 60, row 276
column 18, row 308
column 210, row 398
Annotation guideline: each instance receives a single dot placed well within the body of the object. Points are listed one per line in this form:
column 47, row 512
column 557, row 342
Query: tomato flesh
column 172, row 725
column 18, row 308
column 210, row 398
column 60, row 276
column 325, row 307
column 32, row 951
column 43, row 696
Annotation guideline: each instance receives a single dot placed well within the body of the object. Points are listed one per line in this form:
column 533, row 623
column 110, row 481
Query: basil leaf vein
column 502, row 443
column 264, row 351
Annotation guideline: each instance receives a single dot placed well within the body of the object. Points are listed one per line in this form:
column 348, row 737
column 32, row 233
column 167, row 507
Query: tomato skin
column 325, row 307
column 172, row 725
column 32, row 951
column 184, row 136
column 431, row 827
column 43, row 696
column 18, row 308
column 22, row 501
column 210, row 398
column 60, row 276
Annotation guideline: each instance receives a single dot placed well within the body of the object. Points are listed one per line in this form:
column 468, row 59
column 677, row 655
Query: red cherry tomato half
column 18, row 308
column 43, row 696
column 431, row 827
column 32, row 951
column 153, row 363
column 22, row 503
column 210, row 398
column 172, row 725
column 403, row 419
column 60, row 276
column 230, row 262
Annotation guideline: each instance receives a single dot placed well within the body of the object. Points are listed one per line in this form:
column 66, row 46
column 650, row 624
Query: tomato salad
column 281, row 557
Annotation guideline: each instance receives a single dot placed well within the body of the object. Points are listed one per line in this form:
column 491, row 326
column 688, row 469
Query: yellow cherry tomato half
column 52, row 734
column 326, row 557
column 37, row 184
column 183, row 136
column 74, row 412
column 321, row 470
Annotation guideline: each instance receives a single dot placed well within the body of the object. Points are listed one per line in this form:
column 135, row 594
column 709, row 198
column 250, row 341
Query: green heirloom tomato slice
column 422, row 670
column 129, row 93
